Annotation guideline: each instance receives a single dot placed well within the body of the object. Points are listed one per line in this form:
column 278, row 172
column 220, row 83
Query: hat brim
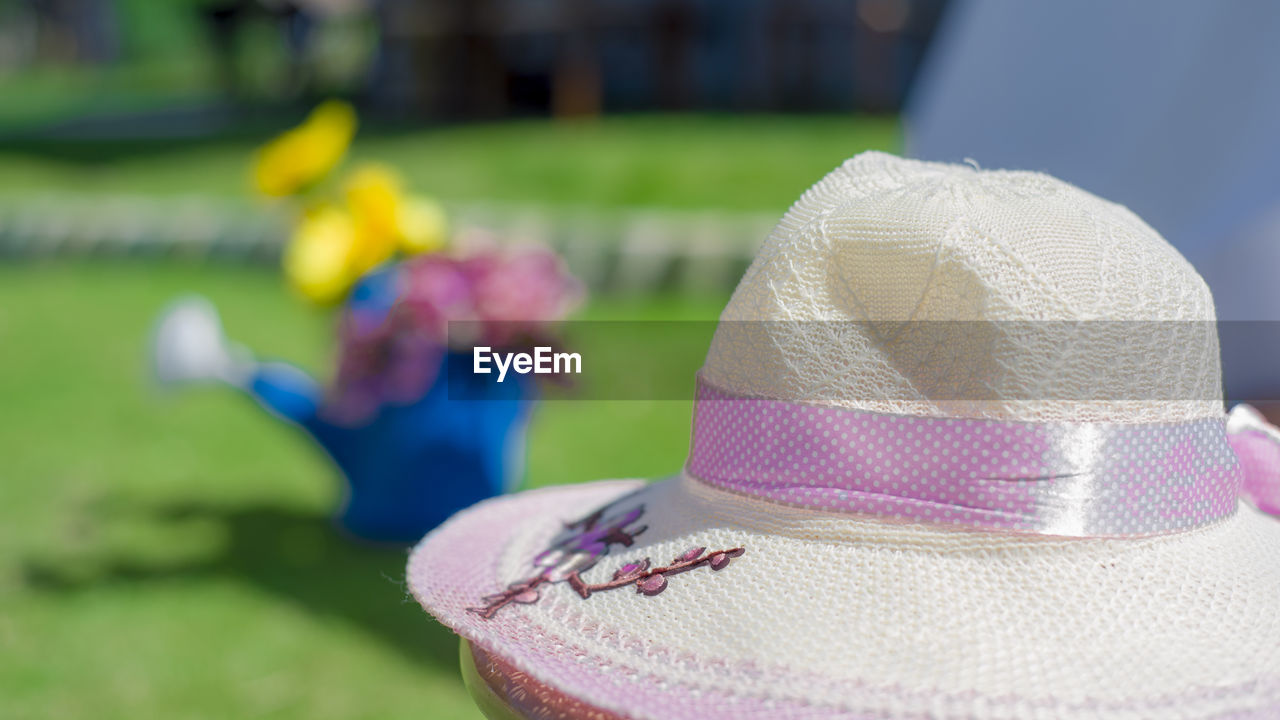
column 828, row 615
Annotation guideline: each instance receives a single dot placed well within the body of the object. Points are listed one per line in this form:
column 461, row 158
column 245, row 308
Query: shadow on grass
column 296, row 556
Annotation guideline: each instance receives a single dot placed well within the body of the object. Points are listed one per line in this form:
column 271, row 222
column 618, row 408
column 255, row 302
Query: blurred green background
column 171, row 556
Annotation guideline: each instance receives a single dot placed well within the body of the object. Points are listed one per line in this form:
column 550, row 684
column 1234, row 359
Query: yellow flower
column 422, row 225
column 387, row 219
column 319, row 260
column 374, row 198
column 305, row 154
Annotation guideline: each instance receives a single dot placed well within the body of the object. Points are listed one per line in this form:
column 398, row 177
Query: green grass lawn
column 171, row 557
column 699, row 161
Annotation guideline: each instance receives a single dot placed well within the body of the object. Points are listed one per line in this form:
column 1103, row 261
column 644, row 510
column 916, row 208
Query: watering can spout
column 189, row 347
column 287, row 392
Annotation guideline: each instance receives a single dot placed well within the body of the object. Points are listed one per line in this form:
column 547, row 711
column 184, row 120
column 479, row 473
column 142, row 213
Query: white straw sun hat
column 877, row 521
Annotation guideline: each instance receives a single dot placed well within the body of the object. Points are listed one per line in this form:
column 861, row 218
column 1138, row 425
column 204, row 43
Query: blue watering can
column 410, row 465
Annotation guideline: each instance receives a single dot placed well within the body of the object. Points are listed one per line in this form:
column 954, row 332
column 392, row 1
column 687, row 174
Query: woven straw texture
column 886, row 240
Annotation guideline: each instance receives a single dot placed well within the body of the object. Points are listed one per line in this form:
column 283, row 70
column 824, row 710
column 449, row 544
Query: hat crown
column 931, row 289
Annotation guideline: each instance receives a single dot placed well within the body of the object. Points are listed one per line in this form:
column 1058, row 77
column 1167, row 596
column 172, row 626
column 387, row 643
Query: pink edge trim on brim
column 457, row 564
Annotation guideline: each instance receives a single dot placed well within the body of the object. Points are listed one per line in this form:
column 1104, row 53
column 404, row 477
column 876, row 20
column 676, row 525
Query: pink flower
column 505, row 298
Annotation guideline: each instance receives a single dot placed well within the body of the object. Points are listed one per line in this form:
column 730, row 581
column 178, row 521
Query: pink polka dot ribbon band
column 1068, row 479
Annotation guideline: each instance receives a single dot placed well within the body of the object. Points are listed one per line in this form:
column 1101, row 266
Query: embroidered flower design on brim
column 583, row 543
